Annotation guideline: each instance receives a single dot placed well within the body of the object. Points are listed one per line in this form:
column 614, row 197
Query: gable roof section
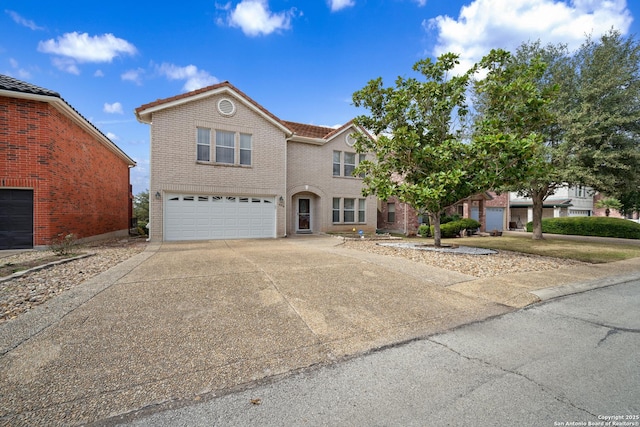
column 299, row 132
column 144, row 112
column 308, row 131
column 319, row 134
column 14, row 88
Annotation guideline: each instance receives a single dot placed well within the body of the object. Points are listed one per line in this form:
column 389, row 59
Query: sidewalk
column 183, row 322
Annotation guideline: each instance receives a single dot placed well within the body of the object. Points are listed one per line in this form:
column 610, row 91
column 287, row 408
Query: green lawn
column 581, row 251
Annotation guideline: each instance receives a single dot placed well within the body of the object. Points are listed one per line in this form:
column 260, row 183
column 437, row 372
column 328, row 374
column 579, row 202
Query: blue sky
column 302, row 60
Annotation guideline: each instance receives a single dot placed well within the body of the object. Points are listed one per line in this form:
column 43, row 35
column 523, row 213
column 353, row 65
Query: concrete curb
column 576, row 288
column 16, row 331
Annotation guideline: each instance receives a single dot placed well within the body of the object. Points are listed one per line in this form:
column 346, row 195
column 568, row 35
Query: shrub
column 424, row 230
column 63, row 244
column 469, row 224
column 450, row 229
column 599, row 226
column 445, row 219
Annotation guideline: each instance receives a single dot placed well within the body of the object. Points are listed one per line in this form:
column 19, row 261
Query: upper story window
column 344, row 163
column 245, row 149
column 231, row 148
column 204, row 144
column 225, row 147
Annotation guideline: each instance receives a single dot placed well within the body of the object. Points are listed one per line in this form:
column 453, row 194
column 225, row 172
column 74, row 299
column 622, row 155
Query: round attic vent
column 226, row 107
column 350, row 140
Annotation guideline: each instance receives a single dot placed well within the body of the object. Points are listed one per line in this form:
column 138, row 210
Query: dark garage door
column 16, row 219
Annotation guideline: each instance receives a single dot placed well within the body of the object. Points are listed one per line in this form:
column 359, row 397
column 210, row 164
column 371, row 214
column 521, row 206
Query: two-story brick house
column 58, row 173
column 224, row 167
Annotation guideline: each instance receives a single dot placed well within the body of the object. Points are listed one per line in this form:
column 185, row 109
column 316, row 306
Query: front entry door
column 304, row 215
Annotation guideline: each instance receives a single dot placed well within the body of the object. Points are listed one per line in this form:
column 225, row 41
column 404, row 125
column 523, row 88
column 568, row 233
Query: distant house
column 504, row 211
column 58, row 173
column 567, row 201
column 224, row 167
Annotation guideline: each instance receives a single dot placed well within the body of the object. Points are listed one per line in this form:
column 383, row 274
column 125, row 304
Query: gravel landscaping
column 22, row 293
column 502, row 262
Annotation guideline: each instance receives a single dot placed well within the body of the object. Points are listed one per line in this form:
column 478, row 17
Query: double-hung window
column 245, row 149
column 391, row 212
column 349, row 163
column 336, row 163
column 204, row 144
column 361, row 210
column 349, row 210
column 225, row 147
column 336, row 209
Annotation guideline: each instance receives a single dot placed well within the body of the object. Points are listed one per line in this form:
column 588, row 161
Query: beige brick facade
column 284, row 165
column 310, row 176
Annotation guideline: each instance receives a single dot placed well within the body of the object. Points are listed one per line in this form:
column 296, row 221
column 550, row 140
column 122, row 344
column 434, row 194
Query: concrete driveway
column 186, row 321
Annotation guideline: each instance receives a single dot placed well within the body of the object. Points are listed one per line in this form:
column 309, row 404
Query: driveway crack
column 542, row 387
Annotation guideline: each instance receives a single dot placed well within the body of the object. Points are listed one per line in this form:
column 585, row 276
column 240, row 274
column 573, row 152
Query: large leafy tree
column 421, row 154
column 520, row 96
column 589, row 132
column 602, row 121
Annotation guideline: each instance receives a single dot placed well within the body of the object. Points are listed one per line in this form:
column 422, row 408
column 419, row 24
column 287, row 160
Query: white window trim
column 358, row 157
column 356, row 210
column 213, row 146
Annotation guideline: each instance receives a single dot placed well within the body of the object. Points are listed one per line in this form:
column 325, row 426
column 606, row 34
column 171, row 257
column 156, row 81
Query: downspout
column 286, row 196
column 406, row 221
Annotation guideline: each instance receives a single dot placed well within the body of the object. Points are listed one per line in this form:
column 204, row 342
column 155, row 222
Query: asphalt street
column 574, row 360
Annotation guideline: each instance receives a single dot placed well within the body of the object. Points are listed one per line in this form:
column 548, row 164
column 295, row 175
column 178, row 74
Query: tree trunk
column 538, row 198
column 435, row 220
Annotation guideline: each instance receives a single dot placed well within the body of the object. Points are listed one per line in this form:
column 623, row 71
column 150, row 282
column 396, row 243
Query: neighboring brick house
column 58, row 172
column 397, row 217
column 224, row 167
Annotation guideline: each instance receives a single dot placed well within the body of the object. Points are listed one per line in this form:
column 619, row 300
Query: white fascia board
column 144, row 116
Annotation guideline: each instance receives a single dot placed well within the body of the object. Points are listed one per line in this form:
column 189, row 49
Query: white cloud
column 98, row 73
column 133, row 76
column 22, row 21
column 254, row 18
column 85, row 48
column 21, row 72
column 66, row 64
column 112, row 136
column 487, row 24
column 115, row 108
column 194, row 78
column 337, row 5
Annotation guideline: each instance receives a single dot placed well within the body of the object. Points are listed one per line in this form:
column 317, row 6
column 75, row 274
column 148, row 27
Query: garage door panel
column 200, row 217
column 16, row 219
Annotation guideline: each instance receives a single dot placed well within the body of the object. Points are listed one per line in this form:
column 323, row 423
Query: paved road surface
column 571, row 360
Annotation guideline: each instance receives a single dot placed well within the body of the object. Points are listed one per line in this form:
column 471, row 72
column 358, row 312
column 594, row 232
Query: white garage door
column 205, row 217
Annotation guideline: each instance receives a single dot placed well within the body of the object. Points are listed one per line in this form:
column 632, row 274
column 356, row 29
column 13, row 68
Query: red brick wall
column 498, row 201
column 79, row 185
column 406, row 218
